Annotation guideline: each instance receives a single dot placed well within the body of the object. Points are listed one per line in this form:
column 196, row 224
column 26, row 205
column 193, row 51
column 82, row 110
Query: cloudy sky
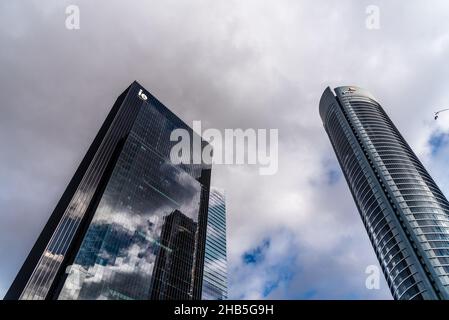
column 231, row 64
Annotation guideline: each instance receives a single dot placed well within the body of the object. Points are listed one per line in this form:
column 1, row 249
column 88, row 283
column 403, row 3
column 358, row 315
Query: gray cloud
column 256, row 64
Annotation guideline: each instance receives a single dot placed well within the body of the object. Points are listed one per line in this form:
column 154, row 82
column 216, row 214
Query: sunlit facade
column 131, row 225
column 215, row 262
column 404, row 212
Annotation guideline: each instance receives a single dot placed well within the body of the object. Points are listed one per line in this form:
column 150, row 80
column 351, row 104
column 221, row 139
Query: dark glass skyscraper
column 405, row 213
column 131, row 224
column 215, row 262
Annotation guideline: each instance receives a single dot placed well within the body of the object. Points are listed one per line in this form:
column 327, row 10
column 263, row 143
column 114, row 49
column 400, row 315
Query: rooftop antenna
column 438, row 112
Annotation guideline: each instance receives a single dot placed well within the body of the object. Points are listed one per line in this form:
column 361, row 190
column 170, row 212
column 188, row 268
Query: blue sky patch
column 333, row 175
column 438, row 141
column 257, row 254
column 284, row 274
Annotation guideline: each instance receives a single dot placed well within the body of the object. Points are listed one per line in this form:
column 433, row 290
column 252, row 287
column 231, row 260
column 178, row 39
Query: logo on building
column 349, row 90
column 142, row 95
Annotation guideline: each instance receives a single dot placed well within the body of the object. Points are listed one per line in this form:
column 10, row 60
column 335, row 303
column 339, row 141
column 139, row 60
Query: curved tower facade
column 405, row 213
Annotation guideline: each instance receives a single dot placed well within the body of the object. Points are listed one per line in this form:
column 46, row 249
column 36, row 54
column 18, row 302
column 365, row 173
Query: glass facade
column 405, row 213
column 215, row 265
column 135, row 224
